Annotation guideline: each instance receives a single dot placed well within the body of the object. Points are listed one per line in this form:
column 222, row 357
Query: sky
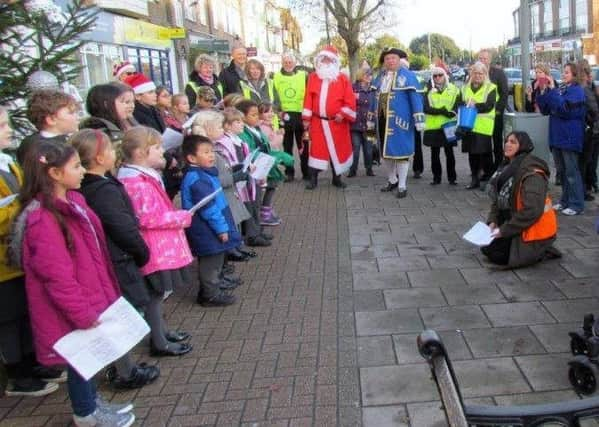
column 472, row 24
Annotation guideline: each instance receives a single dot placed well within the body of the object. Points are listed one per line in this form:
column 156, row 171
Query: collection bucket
column 466, row 117
column 449, row 129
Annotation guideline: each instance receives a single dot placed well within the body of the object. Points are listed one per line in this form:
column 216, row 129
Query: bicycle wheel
column 449, row 394
column 582, row 379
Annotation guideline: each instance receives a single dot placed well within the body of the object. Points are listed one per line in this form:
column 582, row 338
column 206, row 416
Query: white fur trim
column 307, row 113
column 144, row 87
column 339, row 168
column 349, row 112
column 328, row 55
column 124, row 69
column 319, row 164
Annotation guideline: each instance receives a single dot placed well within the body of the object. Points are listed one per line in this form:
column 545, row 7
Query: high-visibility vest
column 247, row 89
column 546, row 226
column 439, row 100
column 291, row 90
column 484, row 122
column 196, row 87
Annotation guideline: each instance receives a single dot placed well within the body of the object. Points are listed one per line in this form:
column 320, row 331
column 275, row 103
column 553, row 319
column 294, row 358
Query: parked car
column 459, row 74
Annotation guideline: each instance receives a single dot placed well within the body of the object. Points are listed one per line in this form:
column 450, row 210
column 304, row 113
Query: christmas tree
column 38, row 35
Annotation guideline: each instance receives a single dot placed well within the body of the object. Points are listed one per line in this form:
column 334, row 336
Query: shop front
column 147, row 46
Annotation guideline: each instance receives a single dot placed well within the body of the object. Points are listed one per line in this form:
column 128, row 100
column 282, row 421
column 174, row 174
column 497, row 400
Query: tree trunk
column 353, row 51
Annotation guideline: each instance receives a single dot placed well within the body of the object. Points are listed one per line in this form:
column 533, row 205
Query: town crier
column 329, row 108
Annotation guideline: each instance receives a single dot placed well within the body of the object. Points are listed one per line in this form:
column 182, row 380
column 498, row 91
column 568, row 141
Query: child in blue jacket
column 212, row 232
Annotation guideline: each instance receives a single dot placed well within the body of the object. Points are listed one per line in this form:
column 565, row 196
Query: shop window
column 153, row 63
column 548, row 17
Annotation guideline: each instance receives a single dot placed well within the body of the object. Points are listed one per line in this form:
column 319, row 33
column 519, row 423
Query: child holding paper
column 128, row 251
column 212, row 232
column 255, row 138
column 161, row 226
column 68, row 275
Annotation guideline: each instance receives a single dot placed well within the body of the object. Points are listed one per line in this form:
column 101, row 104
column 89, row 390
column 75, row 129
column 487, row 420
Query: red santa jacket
column 329, row 140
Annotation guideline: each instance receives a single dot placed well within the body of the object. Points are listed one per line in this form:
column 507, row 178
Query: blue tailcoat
column 405, row 108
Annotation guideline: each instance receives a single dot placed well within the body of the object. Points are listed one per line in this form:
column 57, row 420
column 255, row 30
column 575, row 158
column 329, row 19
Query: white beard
column 328, row 71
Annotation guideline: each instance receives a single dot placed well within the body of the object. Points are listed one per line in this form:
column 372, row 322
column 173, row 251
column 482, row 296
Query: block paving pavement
column 324, row 333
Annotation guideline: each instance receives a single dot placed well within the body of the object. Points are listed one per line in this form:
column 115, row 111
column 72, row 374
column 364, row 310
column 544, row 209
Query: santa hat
column 140, row 83
column 330, row 52
column 122, row 67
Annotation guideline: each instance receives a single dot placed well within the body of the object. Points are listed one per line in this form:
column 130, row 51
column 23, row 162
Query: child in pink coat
column 161, row 226
column 68, row 274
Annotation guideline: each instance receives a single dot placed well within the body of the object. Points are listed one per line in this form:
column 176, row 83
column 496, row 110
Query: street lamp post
column 524, row 41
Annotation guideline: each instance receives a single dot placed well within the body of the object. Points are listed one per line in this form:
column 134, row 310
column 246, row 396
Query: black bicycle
column 575, row 413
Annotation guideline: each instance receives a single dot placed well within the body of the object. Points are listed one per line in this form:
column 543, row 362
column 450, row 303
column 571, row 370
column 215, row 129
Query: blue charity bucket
column 449, row 129
column 466, row 117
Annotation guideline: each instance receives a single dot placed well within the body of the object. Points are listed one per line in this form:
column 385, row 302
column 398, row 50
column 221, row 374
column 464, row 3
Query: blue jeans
column 359, row 139
column 82, row 393
column 572, row 187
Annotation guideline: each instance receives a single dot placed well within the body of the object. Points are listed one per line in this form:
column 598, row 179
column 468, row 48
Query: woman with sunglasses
column 440, row 106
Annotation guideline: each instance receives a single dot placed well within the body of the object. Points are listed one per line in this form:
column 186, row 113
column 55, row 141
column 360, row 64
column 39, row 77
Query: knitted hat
column 330, row 52
column 140, row 83
column 392, row 50
column 122, row 67
column 438, row 70
column 206, row 93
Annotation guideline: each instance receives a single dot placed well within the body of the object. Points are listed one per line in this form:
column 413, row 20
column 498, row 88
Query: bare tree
column 353, row 20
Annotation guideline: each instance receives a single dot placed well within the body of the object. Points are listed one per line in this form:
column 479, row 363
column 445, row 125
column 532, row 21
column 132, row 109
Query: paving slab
column 517, row 313
column 427, row 278
column 572, row 310
column 407, row 350
column 451, row 318
column 546, row 372
column 388, row 322
column 371, row 281
column 554, row 337
column 385, row 416
column 376, row 351
column 531, row 291
column 391, row 385
column 480, row 377
column 466, row 295
column 495, row 342
column 414, row 298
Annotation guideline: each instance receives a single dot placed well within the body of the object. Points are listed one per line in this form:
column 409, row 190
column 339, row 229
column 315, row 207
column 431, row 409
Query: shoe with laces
column 50, row 375
column 115, row 408
column 570, row 212
column 558, row 207
column 99, row 418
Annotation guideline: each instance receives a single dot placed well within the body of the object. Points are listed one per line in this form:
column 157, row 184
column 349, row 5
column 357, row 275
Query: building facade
column 561, row 31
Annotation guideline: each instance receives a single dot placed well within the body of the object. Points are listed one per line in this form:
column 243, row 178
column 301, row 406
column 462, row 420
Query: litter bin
column 537, row 127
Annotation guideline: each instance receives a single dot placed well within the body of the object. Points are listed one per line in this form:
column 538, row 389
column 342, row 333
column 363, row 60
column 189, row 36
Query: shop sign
column 171, row 33
column 252, row 51
column 131, row 31
column 212, row 45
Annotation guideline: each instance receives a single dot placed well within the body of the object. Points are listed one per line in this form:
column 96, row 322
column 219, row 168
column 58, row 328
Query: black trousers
column 497, row 142
column 498, row 251
column 294, row 130
column 481, row 161
column 449, row 163
column 588, row 160
column 418, row 164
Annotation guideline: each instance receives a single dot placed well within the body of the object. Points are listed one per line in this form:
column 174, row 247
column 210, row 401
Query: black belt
column 325, row 118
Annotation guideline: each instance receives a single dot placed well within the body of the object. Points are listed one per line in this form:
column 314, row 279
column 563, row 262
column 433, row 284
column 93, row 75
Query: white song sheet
column 479, row 234
column 89, row 350
column 171, row 139
column 205, row 200
column 263, row 164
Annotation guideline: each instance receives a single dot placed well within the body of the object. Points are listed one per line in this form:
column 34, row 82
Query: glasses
column 437, row 75
column 129, row 73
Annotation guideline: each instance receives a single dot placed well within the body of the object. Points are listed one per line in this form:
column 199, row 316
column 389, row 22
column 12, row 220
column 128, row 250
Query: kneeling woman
column 522, row 219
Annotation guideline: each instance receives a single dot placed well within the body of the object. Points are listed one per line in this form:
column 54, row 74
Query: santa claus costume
column 329, row 108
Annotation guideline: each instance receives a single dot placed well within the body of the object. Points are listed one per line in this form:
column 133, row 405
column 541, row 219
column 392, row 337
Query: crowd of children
column 87, row 215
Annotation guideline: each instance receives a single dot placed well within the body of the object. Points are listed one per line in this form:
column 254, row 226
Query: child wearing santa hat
column 146, row 112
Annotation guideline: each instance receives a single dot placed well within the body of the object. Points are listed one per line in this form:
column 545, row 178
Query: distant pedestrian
column 499, row 79
column 365, row 98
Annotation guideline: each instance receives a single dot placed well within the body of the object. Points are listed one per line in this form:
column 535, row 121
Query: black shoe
column 47, row 374
column 401, row 194
column 435, row 182
column 177, row 336
column 226, row 285
column 289, row 178
column 306, row 178
column 31, row 387
column 453, row 182
column 339, row 184
column 351, row 174
column 474, row 184
column 141, row 375
column 219, row 300
column 172, row 349
column 258, row 241
column 369, row 172
column 389, row 187
column 588, row 197
column 236, row 256
column 248, row 252
column 311, row 185
column 417, row 175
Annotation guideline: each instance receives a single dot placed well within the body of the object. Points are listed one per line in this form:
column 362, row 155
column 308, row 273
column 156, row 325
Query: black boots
column 337, row 182
column 311, row 185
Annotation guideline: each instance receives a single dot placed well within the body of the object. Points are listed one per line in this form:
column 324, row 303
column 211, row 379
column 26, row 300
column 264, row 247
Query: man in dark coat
column 498, row 77
column 231, row 75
